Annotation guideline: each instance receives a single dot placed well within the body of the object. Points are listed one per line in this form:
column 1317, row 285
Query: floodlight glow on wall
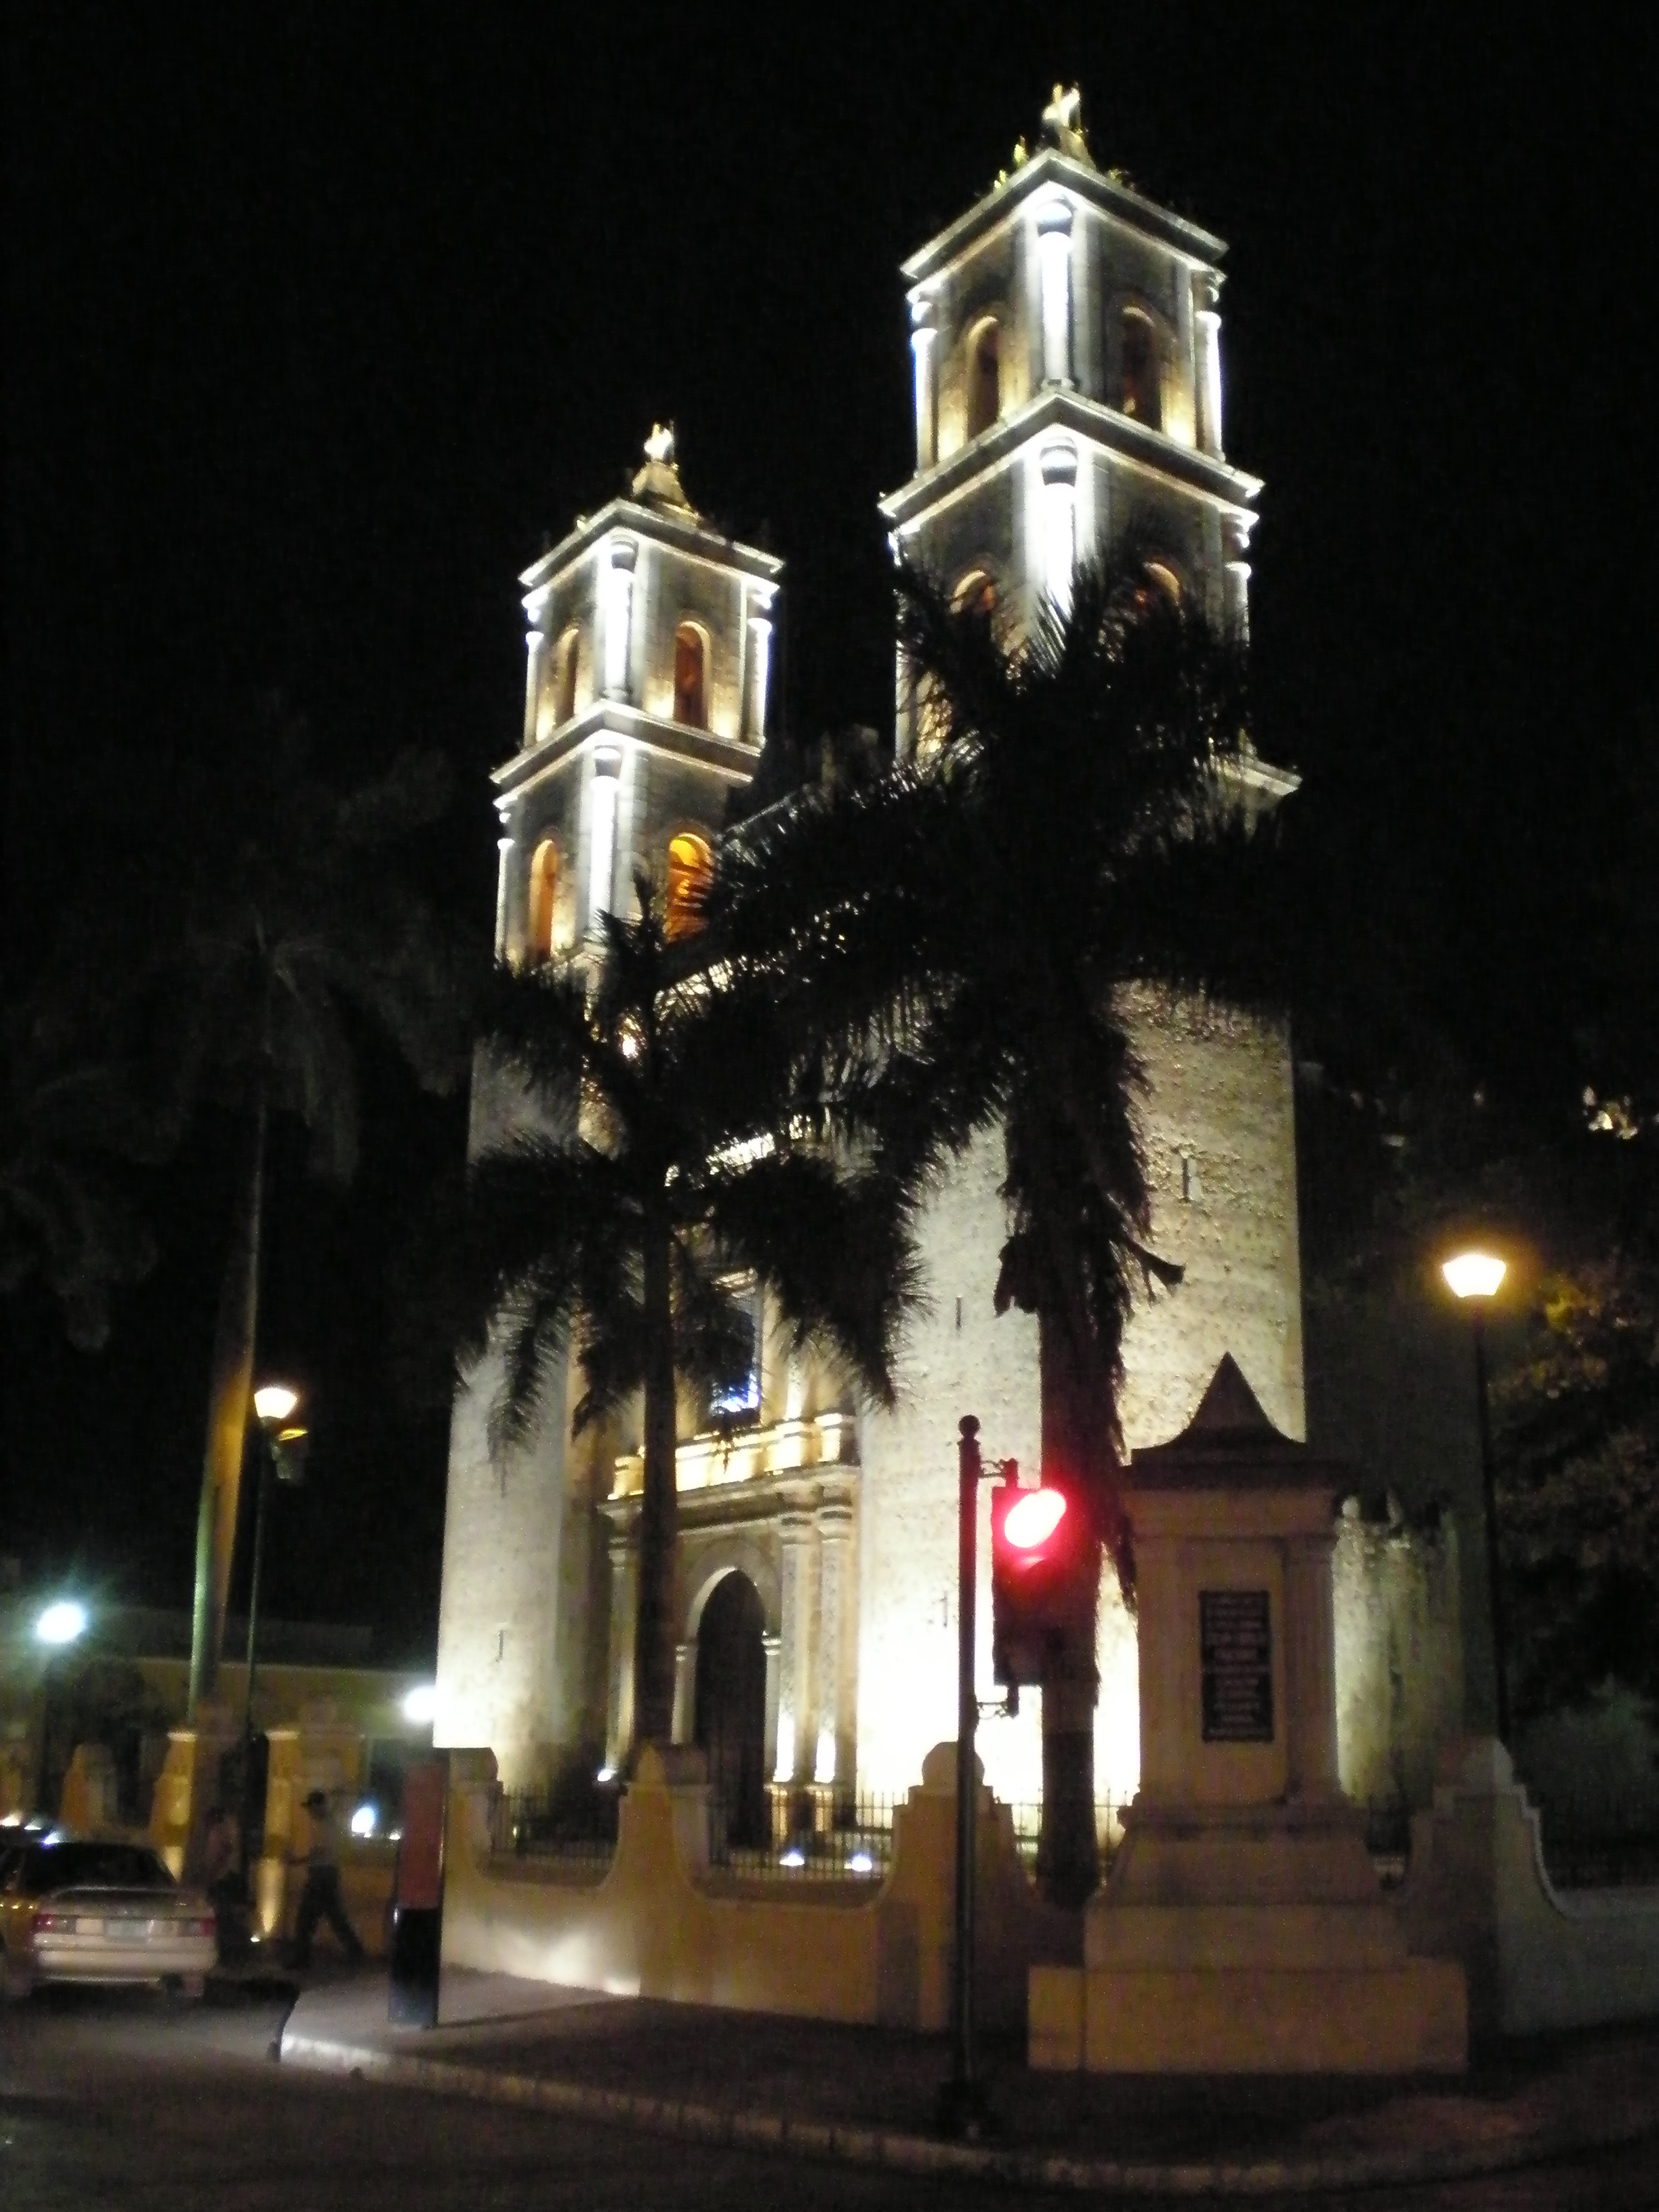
column 1054, row 252
column 605, row 793
column 64, row 1622
column 1474, row 1274
column 1059, row 465
column 618, row 613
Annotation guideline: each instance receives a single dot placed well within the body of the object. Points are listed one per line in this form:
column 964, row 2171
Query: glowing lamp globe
column 1033, row 1519
column 1474, row 1274
column 62, row 1623
column 275, row 1401
column 421, row 1704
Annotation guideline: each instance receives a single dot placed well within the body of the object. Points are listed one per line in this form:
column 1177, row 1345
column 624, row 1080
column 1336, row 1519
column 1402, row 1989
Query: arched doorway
column 731, row 1706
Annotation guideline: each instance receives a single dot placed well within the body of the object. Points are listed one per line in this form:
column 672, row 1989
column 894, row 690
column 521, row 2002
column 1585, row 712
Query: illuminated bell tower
column 648, row 659
column 647, row 695
column 1067, row 374
column 1066, row 341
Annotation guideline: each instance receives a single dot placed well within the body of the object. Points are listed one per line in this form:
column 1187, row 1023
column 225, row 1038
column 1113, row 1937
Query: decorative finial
column 1062, row 125
column 658, row 482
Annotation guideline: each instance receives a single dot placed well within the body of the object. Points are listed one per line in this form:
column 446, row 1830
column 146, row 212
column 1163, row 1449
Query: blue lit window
column 744, row 1397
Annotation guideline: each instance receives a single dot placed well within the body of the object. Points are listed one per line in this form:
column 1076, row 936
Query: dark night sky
column 318, row 319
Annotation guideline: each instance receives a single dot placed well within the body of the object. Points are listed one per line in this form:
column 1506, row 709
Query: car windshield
column 51, row 1867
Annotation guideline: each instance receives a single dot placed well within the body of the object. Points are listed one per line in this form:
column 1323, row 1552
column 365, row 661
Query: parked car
column 75, row 1910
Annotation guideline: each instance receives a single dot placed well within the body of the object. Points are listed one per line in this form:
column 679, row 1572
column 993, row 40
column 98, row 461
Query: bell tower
column 647, row 687
column 1066, row 342
column 647, row 695
column 1067, row 347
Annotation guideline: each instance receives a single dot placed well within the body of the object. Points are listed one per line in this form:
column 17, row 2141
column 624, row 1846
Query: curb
column 850, row 2144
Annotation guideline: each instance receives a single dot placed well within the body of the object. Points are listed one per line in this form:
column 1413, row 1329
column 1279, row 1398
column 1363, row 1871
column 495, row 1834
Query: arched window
column 690, row 676
column 567, row 665
column 544, row 902
column 975, row 594
column 1142, row 386
column 1164, row 581
column 984, row 376
column 691, row 865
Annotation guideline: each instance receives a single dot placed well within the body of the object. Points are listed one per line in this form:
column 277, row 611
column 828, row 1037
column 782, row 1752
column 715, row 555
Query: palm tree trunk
column 1068, row 1856
column 654, row 1627
column 229, row 1394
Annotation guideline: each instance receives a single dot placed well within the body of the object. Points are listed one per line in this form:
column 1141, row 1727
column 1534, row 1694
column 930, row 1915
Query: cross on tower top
column 1062, row 124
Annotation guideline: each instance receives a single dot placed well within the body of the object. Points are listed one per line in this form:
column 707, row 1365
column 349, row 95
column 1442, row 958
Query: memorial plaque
column 1235, row 1628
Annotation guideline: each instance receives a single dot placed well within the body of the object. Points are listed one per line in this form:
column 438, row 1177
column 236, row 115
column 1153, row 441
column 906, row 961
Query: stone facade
column 1067, row 397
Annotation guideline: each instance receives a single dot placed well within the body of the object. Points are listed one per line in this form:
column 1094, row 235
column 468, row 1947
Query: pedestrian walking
column 320, row 1898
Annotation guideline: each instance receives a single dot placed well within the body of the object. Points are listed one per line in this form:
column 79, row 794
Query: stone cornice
column 727, row 757
column 1057, row 408
column 1050, row 166
column 684, row 535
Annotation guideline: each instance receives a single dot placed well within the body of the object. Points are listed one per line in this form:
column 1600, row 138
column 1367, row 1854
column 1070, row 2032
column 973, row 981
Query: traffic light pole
column 962, row 2101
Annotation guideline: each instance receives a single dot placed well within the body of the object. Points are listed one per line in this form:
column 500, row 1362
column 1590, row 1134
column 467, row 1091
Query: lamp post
column 284, row 1457
column 56, row 1626
column 1473, row 1277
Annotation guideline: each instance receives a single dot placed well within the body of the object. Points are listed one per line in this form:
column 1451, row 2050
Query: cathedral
column 1066, row 349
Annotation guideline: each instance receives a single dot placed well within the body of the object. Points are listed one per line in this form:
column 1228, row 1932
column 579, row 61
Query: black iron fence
column 794, row 1833
column 1027, row 1831
column 576, row 1826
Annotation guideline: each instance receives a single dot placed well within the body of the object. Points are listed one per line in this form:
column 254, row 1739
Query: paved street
column 114, row 2102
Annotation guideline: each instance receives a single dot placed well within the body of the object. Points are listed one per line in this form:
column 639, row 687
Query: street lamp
column 56, row 1626
column 1473, row 1277
column 274, row 1404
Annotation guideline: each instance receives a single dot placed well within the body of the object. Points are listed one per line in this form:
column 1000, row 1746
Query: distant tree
column 1578, row 1484
column 1065, row 827
column 265, row 915
column 675, row 1149
column 69, row 1124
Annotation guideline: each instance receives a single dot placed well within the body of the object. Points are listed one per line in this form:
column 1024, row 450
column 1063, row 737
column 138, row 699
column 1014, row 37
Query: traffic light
column 1034, row 1536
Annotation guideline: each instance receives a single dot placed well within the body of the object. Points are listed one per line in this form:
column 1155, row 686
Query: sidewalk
column 867, row 2096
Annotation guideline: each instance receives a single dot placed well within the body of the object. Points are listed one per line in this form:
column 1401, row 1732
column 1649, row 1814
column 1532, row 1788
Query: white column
column 1054, row 252
column 685, row 1693
column 535, row 648
column 760, row 675
column 619, row 1700
column 834, row 1759
column 619, row 615
column 602, row 835
column 1207, row 340
column 1059, row 465
column 1236, row 578
column 922, row 338
column 794, row 1741
column 773, row 1646
column 503, row 873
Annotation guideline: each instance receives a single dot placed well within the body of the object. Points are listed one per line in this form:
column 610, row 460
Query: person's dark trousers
column 320, row 1901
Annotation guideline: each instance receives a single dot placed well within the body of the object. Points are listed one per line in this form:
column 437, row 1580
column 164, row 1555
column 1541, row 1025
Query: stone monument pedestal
column 1243, row 1928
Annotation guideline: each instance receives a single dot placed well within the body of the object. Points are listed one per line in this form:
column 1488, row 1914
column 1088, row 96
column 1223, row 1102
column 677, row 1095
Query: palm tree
column 68, row 1119
column 276, row 923
column 680, row 1150
column 969, row 918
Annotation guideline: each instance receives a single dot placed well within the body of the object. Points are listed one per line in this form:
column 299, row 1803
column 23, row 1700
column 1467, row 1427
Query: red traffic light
column 1036, row 1556
column 1032, row 1519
